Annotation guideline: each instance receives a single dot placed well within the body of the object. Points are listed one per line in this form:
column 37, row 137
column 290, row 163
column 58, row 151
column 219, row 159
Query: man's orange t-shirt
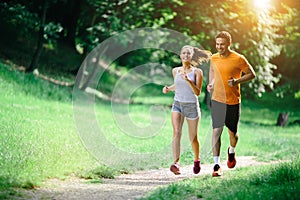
column 226, row 68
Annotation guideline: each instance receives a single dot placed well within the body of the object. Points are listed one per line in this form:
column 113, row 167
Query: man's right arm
column 211, row 79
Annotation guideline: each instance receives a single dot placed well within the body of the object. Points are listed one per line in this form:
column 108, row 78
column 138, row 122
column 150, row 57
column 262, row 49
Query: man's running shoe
column 175, row 169
column 197, row 167
column 217, row 171
column 231, row 162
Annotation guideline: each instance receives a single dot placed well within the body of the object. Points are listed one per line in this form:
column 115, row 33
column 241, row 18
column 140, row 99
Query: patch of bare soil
column 123, row 187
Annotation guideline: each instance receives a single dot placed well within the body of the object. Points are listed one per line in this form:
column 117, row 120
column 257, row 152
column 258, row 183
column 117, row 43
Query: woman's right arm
column 167, row 89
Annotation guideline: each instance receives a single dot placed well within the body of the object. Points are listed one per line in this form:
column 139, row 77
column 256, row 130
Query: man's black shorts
column 225, row 114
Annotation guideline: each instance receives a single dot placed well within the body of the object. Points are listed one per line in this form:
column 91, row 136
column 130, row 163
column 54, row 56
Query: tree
column 288, row 61
column 40, row 39
column 267, row 38
column 255, row 32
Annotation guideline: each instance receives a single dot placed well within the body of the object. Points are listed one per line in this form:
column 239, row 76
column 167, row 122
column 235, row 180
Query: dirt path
column 124, row 187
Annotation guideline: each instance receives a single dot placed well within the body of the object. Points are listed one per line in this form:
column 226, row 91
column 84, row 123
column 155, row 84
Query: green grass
column 265, row 111
column 277, row 181
column 39, row 138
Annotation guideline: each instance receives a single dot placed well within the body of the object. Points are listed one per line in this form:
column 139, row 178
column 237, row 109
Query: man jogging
column 228, row 70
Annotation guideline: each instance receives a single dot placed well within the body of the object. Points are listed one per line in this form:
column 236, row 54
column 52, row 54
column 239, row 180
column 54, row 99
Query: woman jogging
column 187, row 86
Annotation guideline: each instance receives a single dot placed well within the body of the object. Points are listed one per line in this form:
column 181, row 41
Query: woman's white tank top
column 183, row 91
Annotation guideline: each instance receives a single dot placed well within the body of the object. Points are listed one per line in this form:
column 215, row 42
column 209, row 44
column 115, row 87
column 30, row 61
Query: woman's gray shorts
column 189, row 110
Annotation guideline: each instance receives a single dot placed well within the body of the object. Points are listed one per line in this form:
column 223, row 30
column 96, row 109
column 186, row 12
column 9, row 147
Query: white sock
column 231, row 149
column 217, row 159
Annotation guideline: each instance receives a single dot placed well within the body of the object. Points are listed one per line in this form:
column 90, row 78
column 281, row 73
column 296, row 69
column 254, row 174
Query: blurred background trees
column 56, row 35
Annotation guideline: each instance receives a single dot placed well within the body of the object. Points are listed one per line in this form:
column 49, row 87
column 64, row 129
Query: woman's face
column 186, row 55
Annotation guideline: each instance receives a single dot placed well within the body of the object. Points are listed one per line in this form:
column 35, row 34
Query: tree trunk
column 39, row 47
column 71, row 21
column 282, row 119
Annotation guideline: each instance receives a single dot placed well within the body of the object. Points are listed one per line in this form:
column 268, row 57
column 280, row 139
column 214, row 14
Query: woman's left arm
column 197, row 86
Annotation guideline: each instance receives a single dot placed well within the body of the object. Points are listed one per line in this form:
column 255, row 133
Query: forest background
column 56, row 36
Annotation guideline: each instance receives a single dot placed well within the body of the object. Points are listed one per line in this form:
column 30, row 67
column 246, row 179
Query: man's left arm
column 248, row 74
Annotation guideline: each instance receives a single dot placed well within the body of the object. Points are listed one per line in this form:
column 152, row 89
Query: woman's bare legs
column 177, row 122
column 193, row 135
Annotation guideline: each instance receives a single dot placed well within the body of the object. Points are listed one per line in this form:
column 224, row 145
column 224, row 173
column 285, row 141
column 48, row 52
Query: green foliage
column 16, row 21
column 109, row 18
column 297, row 95
column 51, row 33
column 268, row 38
column 288, row 62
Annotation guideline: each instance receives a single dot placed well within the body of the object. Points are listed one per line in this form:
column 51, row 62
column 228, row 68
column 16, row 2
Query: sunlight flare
column 262, row 4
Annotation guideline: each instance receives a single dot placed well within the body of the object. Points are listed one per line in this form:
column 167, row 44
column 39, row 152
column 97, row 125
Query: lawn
column 42, row 136
column 277, row 181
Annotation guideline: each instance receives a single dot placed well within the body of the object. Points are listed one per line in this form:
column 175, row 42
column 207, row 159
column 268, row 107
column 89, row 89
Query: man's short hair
column 226, row 35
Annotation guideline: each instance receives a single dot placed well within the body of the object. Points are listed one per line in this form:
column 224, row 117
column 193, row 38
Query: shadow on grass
column 255, row 123
column 9, row 186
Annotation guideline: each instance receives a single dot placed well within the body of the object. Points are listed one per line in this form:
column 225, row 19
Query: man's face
column 222, row 46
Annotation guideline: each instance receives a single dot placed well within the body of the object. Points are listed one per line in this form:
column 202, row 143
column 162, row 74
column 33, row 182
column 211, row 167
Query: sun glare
column 262, row 4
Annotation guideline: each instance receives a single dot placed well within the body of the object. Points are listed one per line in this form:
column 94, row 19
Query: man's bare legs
column 216, row 141
column 231, row 162
column 233, row 137
column 216, row 145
